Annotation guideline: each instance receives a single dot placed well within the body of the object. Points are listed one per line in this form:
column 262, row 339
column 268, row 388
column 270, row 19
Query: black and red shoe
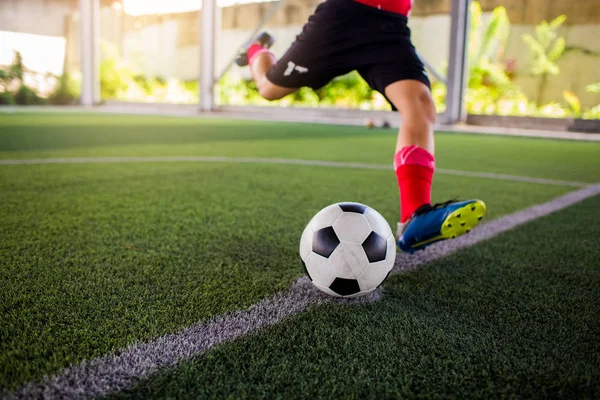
column 265, row 39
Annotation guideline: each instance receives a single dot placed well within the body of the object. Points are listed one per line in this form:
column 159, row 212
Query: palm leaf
column 558, row 21
column 557, row 50
column 593, row 88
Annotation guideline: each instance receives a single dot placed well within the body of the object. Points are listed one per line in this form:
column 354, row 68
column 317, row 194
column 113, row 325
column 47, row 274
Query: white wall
column 41, row 17
column 44, row 54
column 431, row 37
column 154, row 49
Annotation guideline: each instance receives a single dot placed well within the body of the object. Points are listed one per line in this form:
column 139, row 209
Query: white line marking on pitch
column 285, row 161
column 115, row 372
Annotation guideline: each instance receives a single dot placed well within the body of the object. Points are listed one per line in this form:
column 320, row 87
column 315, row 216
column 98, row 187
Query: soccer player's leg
column 422, row 223
column 257, row 55
column 312, row 60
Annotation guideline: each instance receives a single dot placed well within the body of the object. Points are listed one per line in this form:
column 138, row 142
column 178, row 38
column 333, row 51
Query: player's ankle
column 255, row 50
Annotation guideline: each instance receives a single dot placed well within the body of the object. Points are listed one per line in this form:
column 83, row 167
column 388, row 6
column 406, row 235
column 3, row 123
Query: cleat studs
column 480, row 218
column 462, row 223
column 468, row 230
column 453, row 236
column 457, row 215
column 449, row 225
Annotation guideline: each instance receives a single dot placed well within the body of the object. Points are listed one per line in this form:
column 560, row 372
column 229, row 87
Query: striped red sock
column 414, row 169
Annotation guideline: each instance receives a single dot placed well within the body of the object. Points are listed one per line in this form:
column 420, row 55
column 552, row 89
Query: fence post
column 90, row 51
column 207, row 52
column 458, row 62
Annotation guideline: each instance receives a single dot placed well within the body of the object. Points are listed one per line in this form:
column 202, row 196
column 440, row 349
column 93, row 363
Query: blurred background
column 537, row 58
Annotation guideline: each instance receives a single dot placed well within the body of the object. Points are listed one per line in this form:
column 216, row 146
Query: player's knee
column 422, row 114
column 427, row 107
column 269, row 91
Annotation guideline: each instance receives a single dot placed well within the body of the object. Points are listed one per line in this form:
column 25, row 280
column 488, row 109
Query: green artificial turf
column 97, row 256
column 94, row 257
column 514, row 317
column 30, row 135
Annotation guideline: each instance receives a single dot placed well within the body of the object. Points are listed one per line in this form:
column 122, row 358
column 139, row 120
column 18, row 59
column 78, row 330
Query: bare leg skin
column 259, row 68
column 413, row 100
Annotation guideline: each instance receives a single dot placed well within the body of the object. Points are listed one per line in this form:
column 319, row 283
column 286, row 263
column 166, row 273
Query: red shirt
column 397, row 6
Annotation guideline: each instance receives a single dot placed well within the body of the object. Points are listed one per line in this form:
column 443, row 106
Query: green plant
column 6, row 98
column 547, row 48
column 349, row 90
column 573, row 103
column 121, row 80
column 6, row 78
column 14, row 90
column 115, row 75
column 27, row 96
column 17, row 68
column 594, row 112
column 67, row 91
column 488, row 42
column 490, row 87
column 11, row 77
column 438, row 92
column 593, row 88
column 573, row 106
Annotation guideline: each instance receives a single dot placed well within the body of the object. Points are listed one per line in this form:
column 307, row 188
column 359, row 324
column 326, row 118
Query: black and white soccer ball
column 347, row 249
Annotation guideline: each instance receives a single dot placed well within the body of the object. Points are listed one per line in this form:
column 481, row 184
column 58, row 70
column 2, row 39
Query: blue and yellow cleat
column 433, row 223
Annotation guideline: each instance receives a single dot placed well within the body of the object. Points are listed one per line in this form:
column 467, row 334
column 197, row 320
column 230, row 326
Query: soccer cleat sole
column 458, row 223
column 463, row 220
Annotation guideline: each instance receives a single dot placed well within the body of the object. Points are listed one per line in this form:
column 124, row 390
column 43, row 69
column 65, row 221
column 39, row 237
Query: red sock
column 254, row 51
column 414, row 169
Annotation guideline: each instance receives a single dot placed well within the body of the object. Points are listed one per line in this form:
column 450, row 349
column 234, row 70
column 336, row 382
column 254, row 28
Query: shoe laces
column 425, row 208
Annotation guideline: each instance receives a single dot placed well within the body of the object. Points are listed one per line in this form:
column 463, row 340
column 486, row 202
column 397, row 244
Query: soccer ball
column 347, row 249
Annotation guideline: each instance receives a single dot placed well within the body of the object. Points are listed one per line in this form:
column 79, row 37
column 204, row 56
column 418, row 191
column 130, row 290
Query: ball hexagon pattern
column 352, row 228
column 347, row 249
column 325, row 241
column 375, row 247
column 345, row 287
column 350, row 260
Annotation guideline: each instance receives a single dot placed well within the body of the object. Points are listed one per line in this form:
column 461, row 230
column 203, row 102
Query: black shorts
column 343, row 36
